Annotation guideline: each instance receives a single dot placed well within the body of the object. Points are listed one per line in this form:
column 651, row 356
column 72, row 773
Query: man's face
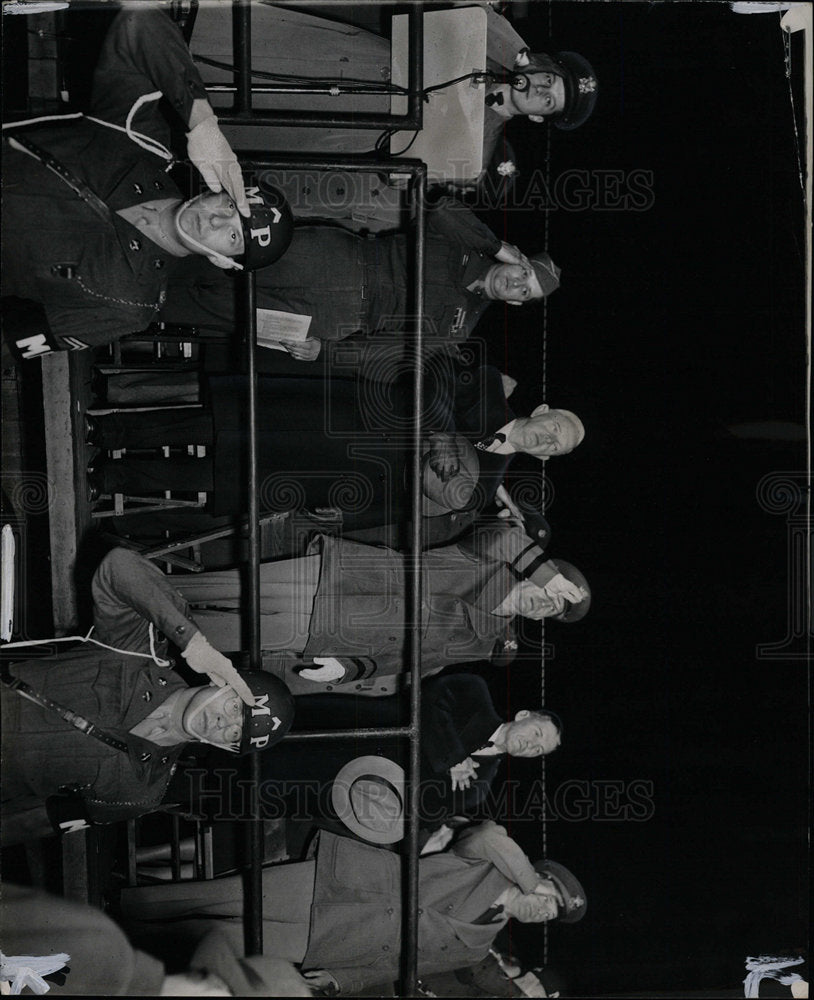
column 545, row 96
column 211, row 220
column 535, row 602
column 531, row 735
column 214, row 715
column 512, row 283
column 534, row 907
column 545, row 433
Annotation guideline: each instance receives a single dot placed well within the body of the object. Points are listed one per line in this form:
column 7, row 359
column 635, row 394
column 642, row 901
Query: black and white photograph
column 406, row 527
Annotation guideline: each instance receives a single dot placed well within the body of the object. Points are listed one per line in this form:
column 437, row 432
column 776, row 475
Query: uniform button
column 158, row 263
column 162, row 681
column 390, row 910
column 138, row 189
column 180, row 629
column 164, row 760
column 449, row 907
column 144, row 757
column 391, row 638
column 158, row 185
column 385, row 947
column 147, row 696
column 329, row 687
column 135, row 244
column 420, row 912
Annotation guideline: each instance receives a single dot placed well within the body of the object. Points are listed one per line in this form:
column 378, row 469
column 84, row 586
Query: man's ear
column 539, row 119
column 522, row 714
column 542, row 408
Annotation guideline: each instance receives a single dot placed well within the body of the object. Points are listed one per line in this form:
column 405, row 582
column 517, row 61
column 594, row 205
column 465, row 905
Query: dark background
column 673, row 327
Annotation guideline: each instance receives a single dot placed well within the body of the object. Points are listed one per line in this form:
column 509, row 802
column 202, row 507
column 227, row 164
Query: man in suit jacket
column 340, row 913
column 464, row 740
column 477, row 400
column 342, row 607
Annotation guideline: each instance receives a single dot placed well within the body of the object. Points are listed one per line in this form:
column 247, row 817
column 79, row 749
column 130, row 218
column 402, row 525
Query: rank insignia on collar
column 587, row 84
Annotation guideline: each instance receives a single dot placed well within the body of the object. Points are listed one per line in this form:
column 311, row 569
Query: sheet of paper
column 273, row 325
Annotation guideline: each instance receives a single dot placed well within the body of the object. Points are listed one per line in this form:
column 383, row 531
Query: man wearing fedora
column 339, row 913
column 463, row 741
column 335, row 620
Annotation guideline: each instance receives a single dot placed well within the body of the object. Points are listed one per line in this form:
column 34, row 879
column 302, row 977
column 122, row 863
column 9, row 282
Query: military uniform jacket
column 44, row 754
column 98, row 277
column 355, row 929
column 356, row 288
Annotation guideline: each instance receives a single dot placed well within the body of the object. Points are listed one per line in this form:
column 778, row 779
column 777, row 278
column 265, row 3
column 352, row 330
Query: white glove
column 331, row 670
column 463, row 773
column 208, row 149
column 558, row 585
column 205, row 659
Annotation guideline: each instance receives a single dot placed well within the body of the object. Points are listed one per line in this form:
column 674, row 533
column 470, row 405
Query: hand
column 509, row 384
column 330, row 670
column 510, row 254
column 463, row 773
column 558, row 585
column 445, row 456
column 205, row 659
column 323, row 981
column 208, row 149
column 438, row 840
column 303, row 350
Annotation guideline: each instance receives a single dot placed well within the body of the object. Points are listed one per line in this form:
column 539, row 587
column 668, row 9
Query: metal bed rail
column 416, row 170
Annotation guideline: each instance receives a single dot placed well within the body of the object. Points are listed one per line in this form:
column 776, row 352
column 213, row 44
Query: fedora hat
column 458, row 492
column 368, row 796
column 570, row 888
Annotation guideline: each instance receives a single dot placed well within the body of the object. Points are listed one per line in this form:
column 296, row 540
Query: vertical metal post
column 242, row 51
column 254, row 876
column 410, row 924
column 415, row 69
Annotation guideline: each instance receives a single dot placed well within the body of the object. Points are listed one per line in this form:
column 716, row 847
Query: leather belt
column 64, row 174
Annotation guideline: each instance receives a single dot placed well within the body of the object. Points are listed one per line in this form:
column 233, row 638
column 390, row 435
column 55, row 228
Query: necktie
column 494, row 99
column 487, row 442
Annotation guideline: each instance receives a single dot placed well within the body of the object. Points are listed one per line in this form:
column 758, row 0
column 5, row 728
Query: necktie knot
column 487, row 442
column 494, row 99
